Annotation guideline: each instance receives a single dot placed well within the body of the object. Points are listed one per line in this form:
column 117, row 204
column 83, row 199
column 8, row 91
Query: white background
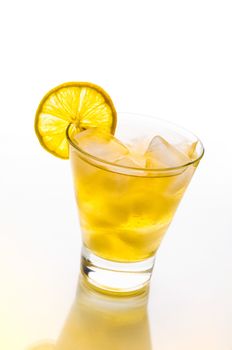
column 172, row 59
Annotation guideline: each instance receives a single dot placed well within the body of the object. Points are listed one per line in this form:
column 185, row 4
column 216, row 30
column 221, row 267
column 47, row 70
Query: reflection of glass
column 125, row 211
column 43, row 346
column 102, row 322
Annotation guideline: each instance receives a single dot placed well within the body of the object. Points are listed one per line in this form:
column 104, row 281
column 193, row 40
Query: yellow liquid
column 123, row 217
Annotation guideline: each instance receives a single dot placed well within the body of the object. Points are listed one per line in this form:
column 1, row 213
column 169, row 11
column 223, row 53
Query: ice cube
column 139, row 145
column 132, row 161
column 161, row 154
column 101, row 144
column 135, row 158
column 189, row 149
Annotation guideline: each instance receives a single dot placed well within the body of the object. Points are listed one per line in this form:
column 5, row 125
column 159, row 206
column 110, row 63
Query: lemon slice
column 83, row 105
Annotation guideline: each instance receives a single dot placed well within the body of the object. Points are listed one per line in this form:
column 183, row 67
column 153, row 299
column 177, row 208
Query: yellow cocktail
column 130, row 173
column 124, row 217
column 127, row 193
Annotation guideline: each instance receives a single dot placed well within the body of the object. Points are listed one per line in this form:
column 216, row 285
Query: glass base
column 116, row 277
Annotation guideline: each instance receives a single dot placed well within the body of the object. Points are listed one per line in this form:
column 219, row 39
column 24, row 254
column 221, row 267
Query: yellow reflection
column 43, row 346
column 97, row 321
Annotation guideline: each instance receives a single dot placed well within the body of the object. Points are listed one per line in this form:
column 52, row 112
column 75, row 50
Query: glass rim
column 140, row 169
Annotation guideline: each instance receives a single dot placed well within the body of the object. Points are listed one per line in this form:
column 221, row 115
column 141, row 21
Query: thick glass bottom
column 116, row 277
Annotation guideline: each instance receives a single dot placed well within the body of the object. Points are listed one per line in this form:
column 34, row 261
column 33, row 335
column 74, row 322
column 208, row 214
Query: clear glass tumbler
column 125, row 211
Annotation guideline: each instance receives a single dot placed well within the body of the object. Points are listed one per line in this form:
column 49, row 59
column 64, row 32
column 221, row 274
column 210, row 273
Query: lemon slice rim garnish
column 99, row 90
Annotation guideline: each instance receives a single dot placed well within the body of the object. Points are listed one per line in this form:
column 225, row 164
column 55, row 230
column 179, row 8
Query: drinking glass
column 125, row 210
